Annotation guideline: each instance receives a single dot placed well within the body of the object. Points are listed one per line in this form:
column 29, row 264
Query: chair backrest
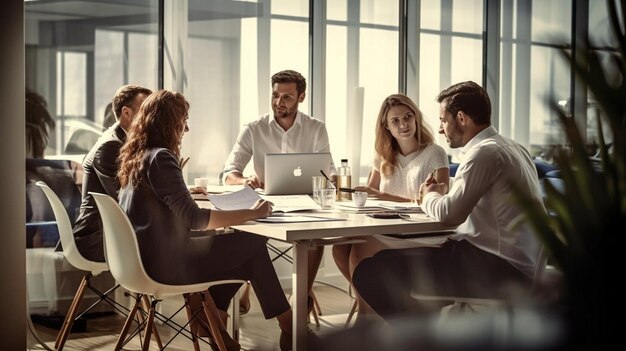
column 61, row 177
column 120, row 246
column 64, row 224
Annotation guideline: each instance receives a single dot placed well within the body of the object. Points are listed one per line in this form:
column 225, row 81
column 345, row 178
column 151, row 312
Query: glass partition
column 78, row 53
column 233, row 48
column 533, row 72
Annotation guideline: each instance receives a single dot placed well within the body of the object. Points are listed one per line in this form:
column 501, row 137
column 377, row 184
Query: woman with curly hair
column 175, row 236
column 405, row 156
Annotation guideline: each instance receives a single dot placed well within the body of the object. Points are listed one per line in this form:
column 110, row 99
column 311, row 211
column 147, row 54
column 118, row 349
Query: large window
column 450, row 51
column 361, row 38
column 532, row 71
column 232, row 52
column 221, row 55
column 78, row 54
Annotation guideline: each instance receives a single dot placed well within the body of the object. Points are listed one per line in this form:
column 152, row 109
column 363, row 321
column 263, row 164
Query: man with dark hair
column 100, row 170
column 109, row 116
column 493, row 250
column 285, row 130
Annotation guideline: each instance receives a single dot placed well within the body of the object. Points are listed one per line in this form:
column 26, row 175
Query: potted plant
column 588, row 218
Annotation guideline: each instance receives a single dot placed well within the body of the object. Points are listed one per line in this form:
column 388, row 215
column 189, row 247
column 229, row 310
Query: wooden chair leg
column 149, row 326
column 315, row 317
column 354, row 308
column 193, row 327
column 316, row 305
column 155, row 331
column 128, row 322
column 210, row 310
column 68, row 322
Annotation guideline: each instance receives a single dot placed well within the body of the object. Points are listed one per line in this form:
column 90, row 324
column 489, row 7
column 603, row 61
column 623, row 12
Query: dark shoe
column 313, row 341
column 231, row 345
column 285, row 341
column 244, row 300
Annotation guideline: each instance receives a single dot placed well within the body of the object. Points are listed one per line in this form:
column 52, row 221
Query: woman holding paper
column 406, row 156
column 176, row 237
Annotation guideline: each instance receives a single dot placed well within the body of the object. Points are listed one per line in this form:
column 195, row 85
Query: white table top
column 353, row 225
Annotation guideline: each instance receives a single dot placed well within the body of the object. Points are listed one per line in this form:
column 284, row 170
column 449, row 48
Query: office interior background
column 221, row 54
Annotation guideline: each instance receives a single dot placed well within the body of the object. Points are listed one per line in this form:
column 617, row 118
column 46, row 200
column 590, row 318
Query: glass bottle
column 344, row 180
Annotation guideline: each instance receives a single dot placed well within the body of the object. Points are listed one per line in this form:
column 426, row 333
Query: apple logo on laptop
column 297, row 172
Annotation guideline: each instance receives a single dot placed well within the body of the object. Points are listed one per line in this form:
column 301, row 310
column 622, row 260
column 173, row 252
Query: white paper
column 405, row 207
column 289, row 218
column 350, row 207
column 291, row 203
column 246, row 198
column 236, row 200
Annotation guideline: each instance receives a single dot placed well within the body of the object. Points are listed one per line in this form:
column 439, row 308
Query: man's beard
column 284, row 113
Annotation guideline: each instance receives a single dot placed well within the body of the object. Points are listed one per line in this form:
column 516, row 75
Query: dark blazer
column 100, row 171
column 164, row 214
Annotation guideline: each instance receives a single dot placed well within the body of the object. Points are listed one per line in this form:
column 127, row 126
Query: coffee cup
column 359, row 198
column 202, row 182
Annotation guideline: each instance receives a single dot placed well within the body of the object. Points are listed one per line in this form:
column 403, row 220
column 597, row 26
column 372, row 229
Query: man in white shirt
column 285, row 130
column 494, row 250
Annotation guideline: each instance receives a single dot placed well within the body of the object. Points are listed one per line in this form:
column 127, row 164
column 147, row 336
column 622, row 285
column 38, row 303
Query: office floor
column 256, row 333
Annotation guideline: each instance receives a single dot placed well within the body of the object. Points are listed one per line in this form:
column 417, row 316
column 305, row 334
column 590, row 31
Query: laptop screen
column 290, row 174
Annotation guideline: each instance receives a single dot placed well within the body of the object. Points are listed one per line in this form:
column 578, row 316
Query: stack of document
column 216, row 189
column 373, row 205
column 291, row 203
column 352, row 208
column 246, row 198
column 400, row 207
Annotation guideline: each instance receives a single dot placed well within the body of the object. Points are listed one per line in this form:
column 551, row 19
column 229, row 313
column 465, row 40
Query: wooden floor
column 256, row 333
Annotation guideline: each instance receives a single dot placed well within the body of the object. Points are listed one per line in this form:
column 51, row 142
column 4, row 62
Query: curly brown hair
column 386, row 145
column 160, row 123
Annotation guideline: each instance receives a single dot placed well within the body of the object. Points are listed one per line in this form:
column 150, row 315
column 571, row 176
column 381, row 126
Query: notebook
column 290, row 174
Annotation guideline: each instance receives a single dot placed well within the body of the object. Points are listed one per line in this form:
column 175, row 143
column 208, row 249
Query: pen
column 434, row 175
column 183, row 162
column 347, row 190
column 325, row 176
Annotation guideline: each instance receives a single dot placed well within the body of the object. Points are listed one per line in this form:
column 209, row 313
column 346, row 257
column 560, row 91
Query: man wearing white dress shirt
column 285, row 130
column 494, row 250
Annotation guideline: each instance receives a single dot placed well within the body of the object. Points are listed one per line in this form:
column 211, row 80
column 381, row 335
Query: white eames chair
column 74, row 257
column 124, row 260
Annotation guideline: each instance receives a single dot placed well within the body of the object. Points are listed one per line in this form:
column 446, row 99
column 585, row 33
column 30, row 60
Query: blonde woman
column 405, row 157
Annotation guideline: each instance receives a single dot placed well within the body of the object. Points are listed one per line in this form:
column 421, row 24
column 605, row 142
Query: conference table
column 348, row 226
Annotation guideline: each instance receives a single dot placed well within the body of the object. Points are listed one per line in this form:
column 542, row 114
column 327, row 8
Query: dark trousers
column 242, row 256
column 457, row 268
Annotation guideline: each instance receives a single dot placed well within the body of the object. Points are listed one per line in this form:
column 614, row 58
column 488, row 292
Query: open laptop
column 290, row 174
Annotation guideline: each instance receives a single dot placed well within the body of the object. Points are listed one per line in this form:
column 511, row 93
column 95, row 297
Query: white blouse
column 411, row 171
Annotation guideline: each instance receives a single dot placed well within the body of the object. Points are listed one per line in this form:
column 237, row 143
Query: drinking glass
column 327, row 198
column 319, row 182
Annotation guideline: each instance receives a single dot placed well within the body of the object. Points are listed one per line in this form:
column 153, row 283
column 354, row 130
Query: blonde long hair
column 160, row 122
column 386, row 145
